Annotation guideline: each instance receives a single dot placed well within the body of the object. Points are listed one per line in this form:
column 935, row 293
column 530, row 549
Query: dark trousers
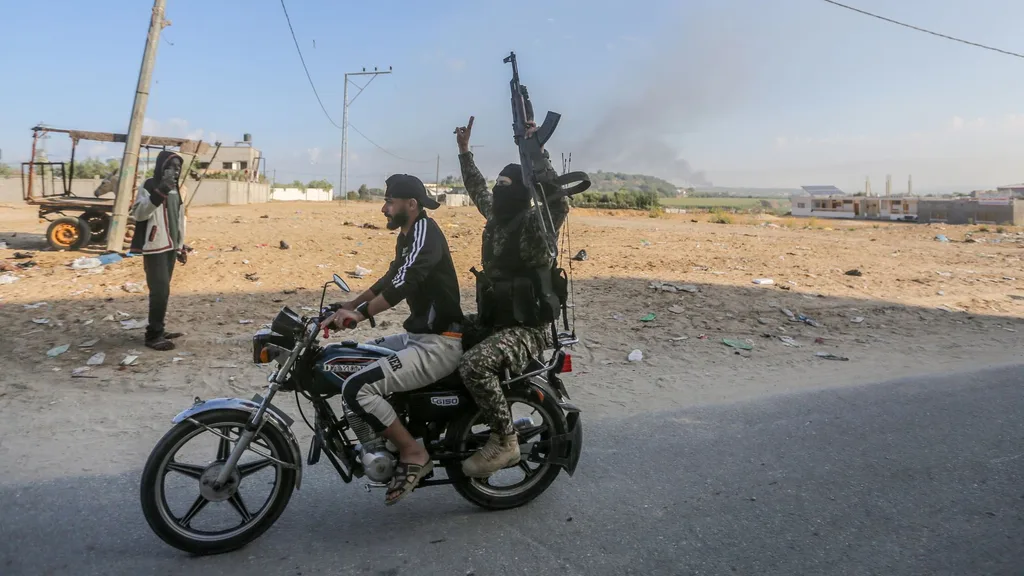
column 159, row 269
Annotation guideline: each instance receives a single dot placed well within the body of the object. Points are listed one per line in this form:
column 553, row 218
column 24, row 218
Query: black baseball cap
column 406, row 186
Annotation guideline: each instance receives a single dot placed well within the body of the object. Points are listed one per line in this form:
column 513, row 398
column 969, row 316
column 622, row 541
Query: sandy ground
column 918, row 306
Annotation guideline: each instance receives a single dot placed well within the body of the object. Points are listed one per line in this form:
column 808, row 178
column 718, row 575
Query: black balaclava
column 510, row 199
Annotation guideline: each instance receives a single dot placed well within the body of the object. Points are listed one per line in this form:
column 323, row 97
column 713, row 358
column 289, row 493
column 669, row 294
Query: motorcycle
column 443, row 416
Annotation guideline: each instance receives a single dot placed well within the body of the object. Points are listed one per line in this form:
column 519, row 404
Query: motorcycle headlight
column 268, row 346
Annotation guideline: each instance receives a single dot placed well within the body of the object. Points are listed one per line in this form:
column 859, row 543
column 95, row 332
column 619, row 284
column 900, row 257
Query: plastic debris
column 854, row 272
column 57, row 351
column 34, row 306
column 830, row 356
column 580, row 256
column 679, row 338
column 788, row 341
column 8, row 279
column 284, row 245
column 857, row 319
column 85, row 263
column 41, row 320
column 134, row 324
column 942, row 238
column 635, row 356
column 360, row 272
column 129, row 360
column 764, row 281
column 81, row 372
column 133, row 287
column 89, row 343
column 808, row 321
column 647, row 318
column 245, row 321
column 111, row 258
column 677, row 309
column 737, row 344
column 96, row 359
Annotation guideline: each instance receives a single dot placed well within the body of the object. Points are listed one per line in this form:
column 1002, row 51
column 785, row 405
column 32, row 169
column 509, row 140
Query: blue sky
column 748, row 92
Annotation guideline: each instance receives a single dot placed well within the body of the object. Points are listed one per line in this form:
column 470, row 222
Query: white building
column 831, row 202
column 301, row 195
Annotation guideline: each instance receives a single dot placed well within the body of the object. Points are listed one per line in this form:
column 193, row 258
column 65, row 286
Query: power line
column 382, row 149
column 303, row 60
column 890, row 20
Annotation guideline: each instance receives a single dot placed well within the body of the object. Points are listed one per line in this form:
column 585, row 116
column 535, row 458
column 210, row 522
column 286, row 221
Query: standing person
column 423, row 275
column 516, row 301
column 159, row 214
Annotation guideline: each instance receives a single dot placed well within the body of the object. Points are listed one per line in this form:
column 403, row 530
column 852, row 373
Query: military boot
column 499, row 452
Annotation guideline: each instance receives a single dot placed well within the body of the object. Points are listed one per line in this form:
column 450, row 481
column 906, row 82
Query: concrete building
column 1011, row 190
column 981, row 210
column 242, row 157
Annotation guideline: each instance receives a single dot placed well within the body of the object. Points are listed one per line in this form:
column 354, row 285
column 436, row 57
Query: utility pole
column 344, row 121
column 437, row 176
column 130, row 160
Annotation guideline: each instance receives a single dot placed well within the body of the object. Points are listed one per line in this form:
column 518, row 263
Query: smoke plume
column 692, row 75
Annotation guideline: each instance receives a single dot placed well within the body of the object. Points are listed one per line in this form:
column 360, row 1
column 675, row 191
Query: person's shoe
column 173, row 335
column 499, row 452
column 159, row 343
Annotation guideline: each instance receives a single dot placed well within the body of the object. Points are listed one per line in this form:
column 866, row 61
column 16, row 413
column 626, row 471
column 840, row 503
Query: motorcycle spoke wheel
column 518, row 478
column 227, row 503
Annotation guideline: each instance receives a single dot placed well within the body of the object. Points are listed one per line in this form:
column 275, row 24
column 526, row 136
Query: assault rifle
column 540, row 178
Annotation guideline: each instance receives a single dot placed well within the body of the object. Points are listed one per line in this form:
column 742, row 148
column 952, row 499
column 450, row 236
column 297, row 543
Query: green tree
column 364, row 192
column 6, row 170
column 352, row 195
column 319, row 184
column 94, row 167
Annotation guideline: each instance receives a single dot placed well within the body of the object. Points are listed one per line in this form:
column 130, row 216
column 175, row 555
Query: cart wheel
column 99, row 224
column 68, row 233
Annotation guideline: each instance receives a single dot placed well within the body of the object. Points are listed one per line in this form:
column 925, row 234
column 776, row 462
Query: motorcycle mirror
column 341, row 284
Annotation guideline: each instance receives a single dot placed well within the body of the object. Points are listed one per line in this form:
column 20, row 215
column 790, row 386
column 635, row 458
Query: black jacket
column 423, row 274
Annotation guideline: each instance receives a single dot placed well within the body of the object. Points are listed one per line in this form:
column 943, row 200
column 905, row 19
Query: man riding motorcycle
column 423, row 275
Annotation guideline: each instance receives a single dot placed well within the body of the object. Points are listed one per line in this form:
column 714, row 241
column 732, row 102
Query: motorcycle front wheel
column 190, row 522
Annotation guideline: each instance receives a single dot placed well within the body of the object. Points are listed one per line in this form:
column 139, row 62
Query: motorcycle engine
column 378, row 462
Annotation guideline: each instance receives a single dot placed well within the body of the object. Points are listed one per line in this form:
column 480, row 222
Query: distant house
column 831, row 202
column 1011, row 191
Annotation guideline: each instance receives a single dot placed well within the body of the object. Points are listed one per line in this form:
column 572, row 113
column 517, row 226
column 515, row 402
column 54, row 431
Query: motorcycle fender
column 572, row 441
column 274, row 416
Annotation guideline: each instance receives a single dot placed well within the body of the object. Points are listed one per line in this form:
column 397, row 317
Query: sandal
column 407, row 476
column 160, row 344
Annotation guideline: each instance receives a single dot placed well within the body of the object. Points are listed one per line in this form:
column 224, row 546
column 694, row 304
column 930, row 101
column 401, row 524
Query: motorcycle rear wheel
column 178, row 532
column 479, row 491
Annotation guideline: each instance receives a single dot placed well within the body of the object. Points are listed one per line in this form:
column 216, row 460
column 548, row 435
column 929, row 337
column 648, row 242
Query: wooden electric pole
column 130, row 160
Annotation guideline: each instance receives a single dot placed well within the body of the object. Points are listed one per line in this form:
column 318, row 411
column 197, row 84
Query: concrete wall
column 964, row 211
column 211, row 192
column 456, row 200
column 300, row 195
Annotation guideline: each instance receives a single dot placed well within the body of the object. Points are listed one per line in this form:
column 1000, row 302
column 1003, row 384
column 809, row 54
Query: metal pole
column 130, row 160
column 437, row 176
column 344, row 122
column 344, row 144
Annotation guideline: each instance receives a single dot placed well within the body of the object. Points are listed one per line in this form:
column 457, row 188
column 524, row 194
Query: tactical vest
column 510, row 293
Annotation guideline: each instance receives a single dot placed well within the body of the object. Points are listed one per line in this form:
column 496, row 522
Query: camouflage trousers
column 482, row 368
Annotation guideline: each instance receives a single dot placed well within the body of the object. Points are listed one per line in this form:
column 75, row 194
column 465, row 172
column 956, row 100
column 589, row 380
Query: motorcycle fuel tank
column 336, row 362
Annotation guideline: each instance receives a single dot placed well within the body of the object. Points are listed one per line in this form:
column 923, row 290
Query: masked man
column 516, row 305
column 423, row 275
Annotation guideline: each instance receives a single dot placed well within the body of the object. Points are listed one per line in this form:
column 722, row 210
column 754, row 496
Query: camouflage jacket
column 532, row 248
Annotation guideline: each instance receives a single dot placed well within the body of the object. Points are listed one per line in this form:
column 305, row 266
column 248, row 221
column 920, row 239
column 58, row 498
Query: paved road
column 909, row 477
